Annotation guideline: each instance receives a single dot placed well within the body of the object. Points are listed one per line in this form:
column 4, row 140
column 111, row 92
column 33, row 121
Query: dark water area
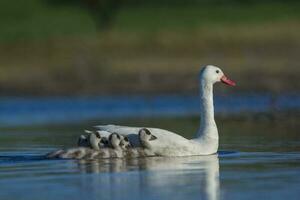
column 47, row 110
column 256, row 160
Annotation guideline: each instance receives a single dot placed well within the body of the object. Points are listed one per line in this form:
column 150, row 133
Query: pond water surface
column 28, row 111
column 257, row 160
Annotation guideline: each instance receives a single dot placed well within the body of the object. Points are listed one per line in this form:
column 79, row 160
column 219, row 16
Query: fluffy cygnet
column 94, row 140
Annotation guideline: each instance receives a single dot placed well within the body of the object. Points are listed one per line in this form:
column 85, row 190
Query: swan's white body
column 172, row 144
column 167, row 143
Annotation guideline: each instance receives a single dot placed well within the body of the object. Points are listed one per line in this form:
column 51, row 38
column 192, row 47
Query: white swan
column 172, row 144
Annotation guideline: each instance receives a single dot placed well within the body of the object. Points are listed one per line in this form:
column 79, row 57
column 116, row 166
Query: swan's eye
column 217, row 71
column 148, row 133
column 126, row 139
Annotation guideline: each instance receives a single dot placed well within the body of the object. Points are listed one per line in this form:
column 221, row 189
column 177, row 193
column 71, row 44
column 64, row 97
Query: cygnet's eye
column 126, row 139
column 217, row 71
column 118, row 136
column 105, row 142
column 148, row 133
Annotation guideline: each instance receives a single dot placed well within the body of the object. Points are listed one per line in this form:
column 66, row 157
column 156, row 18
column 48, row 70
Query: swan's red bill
column 227, row 81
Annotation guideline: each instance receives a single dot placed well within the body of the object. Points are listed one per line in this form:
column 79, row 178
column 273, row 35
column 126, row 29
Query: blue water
column 257, row 159
column 28, row 111
column 234, row 175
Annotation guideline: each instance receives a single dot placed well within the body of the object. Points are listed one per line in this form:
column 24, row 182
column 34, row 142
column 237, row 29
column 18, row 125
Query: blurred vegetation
column 102, row 11
column 51, row 47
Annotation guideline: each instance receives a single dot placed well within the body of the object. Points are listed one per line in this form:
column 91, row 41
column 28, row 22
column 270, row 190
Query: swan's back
column 163, row 136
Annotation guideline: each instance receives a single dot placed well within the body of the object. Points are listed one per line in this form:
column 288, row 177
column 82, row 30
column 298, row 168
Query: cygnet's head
column 103, row 142
column 145, row 136
column 96, row 141
column 212, row 74
column 115, row 140
column 82, row 141
column 125, row 143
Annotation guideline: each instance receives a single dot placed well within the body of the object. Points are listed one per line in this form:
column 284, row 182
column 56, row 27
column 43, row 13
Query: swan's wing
column 130, row 132
column 124, row 130
column 127, row 130
column 165, row 138
column 104, row 133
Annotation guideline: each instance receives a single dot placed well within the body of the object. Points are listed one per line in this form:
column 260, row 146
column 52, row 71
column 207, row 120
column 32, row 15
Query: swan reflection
column 195, row 177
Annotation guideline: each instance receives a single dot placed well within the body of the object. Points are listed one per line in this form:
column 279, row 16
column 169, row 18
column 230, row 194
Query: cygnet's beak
column 227, row 81
column 153, row 137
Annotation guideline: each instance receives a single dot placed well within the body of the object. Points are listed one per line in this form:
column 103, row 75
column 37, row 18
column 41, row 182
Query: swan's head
column 145, row 136
column 212, row 74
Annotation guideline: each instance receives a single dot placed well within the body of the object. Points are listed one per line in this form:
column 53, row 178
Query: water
column 27, row 111
column 257, row 160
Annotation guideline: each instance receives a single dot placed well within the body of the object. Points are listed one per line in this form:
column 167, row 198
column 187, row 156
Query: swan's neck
column 208, row 128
